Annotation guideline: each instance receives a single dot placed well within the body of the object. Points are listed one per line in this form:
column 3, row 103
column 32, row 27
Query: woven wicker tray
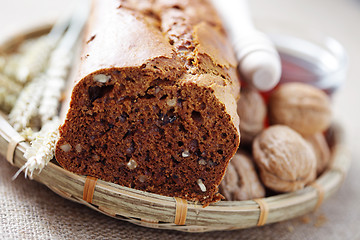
column 156, row 211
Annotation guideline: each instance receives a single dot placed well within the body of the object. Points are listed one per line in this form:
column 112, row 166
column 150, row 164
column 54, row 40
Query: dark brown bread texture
column 155, row 105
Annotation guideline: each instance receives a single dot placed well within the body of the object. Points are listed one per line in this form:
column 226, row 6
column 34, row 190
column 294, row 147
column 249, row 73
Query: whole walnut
column 285, row 160
column 321, row 150
column 241, row 181
column 301, row 107
column 251, row 109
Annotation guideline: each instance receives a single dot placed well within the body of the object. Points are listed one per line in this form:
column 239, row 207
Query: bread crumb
column 78, row 148
column 320, row 220
column 171, row 102
column 305, row 219
column 202, row 162
column 142, row 178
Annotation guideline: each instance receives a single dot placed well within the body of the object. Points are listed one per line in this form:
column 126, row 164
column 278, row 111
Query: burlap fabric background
column 29, row 210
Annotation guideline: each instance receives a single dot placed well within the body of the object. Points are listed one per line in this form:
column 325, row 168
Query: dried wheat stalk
column 26, row 107
column 33, row 54
column 34, row 60
column 57, row 73
column 42, row 148
column 9, row 91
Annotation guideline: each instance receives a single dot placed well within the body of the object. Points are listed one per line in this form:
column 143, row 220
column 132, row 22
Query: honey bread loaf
column 154, row 106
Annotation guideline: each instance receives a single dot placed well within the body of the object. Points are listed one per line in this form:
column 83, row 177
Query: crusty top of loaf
column 134, row 43
column 186, row 36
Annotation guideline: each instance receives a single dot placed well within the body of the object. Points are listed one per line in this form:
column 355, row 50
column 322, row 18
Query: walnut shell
column 321, row 150
column 251, row 109
column 301, row 107
column 241, row 181
column 285, row 160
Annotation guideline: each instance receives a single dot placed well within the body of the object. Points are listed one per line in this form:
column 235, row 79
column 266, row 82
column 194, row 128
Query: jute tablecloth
column 29, row 210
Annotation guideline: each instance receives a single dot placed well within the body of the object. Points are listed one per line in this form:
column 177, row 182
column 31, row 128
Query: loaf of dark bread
column 154, row 107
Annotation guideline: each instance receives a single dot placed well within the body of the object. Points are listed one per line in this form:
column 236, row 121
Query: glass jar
column 307, row 55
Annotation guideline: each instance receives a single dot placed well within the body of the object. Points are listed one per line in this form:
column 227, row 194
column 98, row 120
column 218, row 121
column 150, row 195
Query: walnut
column 241, row 181
column 132, row 164
column 251, row 109
column 101, row 78
column 65, row 147
column 285, row 160
column 301, row 107
column 321, row 150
